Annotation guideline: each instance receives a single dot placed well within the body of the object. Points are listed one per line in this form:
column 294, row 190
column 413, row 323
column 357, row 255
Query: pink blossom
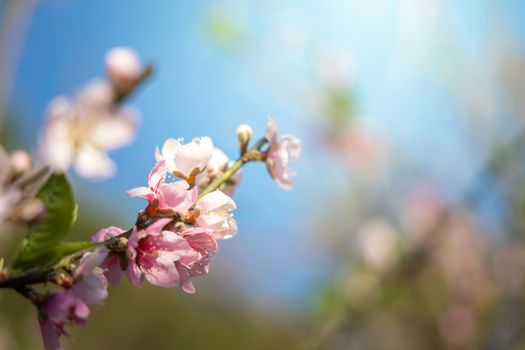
column 201, row 267
column 89, row 288
column 153, row 253
column 54, row 312
column 213, row 211
column 282, row 151
column 175, row 196
column 111, row 264
column 203, row 242
column 186, row 160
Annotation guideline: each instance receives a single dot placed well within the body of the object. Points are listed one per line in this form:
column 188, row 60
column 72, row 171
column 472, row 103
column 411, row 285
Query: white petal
column 97, row 94
column 57, row 143
column 217, row 162
column 169, row 149
column 271, row 130
column 114, row 131
column 94, row 164
column 216, row 201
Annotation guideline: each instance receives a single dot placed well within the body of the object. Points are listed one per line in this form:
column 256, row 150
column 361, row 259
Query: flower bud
column 32, row 209
column 244, row 133
column 64, row 280
column 20, row 161
column 123, row 66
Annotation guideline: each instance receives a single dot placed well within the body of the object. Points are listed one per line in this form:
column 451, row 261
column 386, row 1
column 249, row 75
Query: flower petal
column 141, row 192
column 93, row 163
column 177, row 196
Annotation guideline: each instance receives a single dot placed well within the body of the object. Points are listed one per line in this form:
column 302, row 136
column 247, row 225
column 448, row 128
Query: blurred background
column 406, row 226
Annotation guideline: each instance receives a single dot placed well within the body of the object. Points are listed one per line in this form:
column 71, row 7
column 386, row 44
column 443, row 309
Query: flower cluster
column 87, row 286
column 188, row 193
column 176, row 235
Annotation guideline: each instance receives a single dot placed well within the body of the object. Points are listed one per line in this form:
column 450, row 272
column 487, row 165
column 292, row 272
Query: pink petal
column 50, row 335
column 106, row 233
column 185, row 281
column 157, row 176
column 156, row 227
column 203, row 242
column 92, row 289
column 134, row 274
column 141, row 192
column 176, row 196
column 164, row 274
column 113, row 271
column 90, row 260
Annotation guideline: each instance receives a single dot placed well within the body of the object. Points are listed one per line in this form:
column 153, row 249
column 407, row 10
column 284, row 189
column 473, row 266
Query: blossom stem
column 248, row 156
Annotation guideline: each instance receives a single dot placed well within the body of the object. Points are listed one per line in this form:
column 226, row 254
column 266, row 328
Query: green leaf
column 43, row 242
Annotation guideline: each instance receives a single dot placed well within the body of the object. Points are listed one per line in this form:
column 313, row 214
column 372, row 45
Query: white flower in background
column 213, row 212
column 80, row 133
column 123, row 66
column 186, row 160
column 281, row 152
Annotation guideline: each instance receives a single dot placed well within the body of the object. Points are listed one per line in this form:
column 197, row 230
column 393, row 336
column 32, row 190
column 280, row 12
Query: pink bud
column 123, row 66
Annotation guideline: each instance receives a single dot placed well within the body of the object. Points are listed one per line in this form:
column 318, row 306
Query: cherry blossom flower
column 186, row 160
column 201, row 240
column 89, row 288
column 153, row 253
column 282, row 151
column 176, row 196
column 80, row 133
column 111, row 264
column 123, row 66
column 213, row 212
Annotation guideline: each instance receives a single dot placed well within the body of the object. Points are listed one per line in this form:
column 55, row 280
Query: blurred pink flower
column 175, row 196
column 89, row 288
column 111, row 264
column 282, row 151
column 213, row 212
column 186, row 160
